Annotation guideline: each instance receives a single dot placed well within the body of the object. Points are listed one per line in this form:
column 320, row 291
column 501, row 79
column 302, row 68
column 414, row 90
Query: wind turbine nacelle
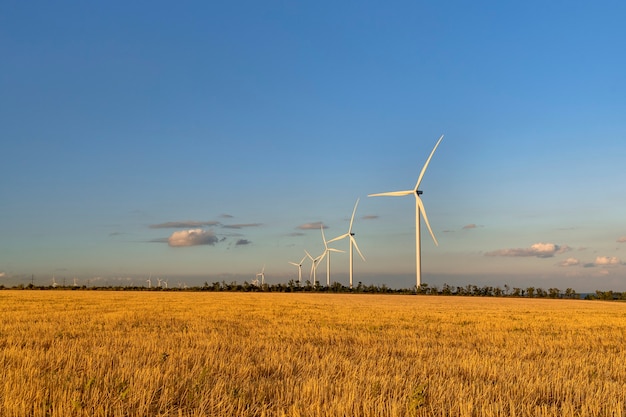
column 419, row 192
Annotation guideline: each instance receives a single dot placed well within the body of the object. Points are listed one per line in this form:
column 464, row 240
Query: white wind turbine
column 419, row 208
column 350, row 236
column 299, row 265
column 314, row 264
column 326, row 254
column 149, row 281
column 262, row 275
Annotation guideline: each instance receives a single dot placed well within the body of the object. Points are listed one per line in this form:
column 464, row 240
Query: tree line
column 293, row 286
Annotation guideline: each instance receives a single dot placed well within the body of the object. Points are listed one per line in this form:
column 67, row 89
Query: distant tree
column 554, row 293
column 530, row 291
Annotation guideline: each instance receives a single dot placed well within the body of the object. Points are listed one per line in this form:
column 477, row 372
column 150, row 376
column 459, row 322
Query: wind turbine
column 299, row 265
column 419, row 208
column 149, row 281
column 262, row 275
column 350, row 235
column 314, row 264
column 326, row 253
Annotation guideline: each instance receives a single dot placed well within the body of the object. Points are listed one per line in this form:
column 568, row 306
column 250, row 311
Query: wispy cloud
column 193, row 237
column 312, row 226
column 469, row 226
column 226, row 216
column 242, row 242
column 370, row 217
column 3, row 274
column 183, row 224
column 539, row 250
column 570, row 262
column 241, row 225
column 296, row 234
column 622, row 239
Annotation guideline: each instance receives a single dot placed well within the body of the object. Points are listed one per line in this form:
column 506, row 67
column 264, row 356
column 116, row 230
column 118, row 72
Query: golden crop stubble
column 87, row 353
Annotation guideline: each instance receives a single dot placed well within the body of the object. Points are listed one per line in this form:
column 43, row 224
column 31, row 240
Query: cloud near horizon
column 242, row 242
column 192, row 237
column 539, row 250
column 3, row 274
column 469, row 226
column 312, row 226
column 622, row 239
column 183, row 225
column 607, row 261
column 570, row 262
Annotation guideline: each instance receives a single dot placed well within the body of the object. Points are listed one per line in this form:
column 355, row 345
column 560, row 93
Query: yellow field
column 89, row 353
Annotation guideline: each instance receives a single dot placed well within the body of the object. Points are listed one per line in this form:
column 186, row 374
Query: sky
column 203, row 141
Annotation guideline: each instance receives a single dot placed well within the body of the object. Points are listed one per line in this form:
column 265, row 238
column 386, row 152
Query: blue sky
column 124, row 126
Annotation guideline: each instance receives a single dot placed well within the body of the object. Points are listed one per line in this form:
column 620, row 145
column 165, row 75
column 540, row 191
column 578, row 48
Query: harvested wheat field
column 90, row 353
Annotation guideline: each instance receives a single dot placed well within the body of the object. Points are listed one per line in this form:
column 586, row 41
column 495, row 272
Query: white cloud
column 540, row 250
column 3, row 274
column 607, row 261
column 622, row 239
column 192, row 237
column 469, row 226
column 570, row 262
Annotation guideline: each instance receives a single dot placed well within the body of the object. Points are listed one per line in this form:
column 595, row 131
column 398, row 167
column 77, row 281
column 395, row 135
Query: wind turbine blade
column 357, row 247
column 420, row 207
column 419, row 180
column 392, row 194
column 345, row 235
column 353, row 213
column 323, row 237
column 294, row 264
column 336, row 250
column 309, row 255
column 303, row 258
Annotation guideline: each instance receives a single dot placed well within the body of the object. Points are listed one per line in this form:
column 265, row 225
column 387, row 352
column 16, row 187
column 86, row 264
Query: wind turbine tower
column 299, row 265
column 419, row 208
column 314, row 264
column 326, row 253
column 262, row 275
column 350, row 236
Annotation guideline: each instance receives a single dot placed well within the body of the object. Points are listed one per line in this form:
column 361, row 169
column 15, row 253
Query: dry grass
column 75, row 353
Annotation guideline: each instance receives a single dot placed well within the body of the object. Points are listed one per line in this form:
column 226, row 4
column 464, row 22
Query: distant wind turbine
column 419, row 208
column 262, row 275
column 350, row 236
column 326, row 254
column 299, row 265
column 314, row 264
